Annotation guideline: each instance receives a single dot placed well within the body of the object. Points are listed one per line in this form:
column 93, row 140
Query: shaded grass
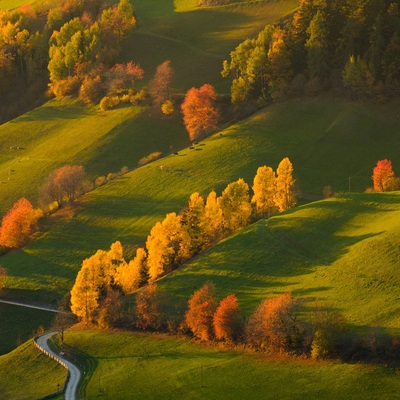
column 127, row 208
column 17, row 324
column 197, row 39
column 340, row 253
column 26, row 373
column 169, row 368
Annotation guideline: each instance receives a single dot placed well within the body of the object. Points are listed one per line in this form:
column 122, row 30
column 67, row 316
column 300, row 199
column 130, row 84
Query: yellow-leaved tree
column 264, row 188
column 191, row 219
column 285, row 195
column 168, row 246
column 135, row 274
column 235, row 205
column 94, row 280
column 213, row 221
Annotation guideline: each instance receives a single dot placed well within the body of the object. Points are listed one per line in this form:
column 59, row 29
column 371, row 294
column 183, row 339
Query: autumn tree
column 201, row 308
column 63, row 185
column 159, row 86
column 212, row 222
column 329, row 328
column 192, row 216
column 264, row 188
column 18, row 224
column 168, row 245
column 110, row 309
column 273, row 325
column 235, row 205
column 285, row 196
column 382, row 175
column 200, row 114
column 94, row 280
column 148, row 315
column 135, row 274
column 227, row 320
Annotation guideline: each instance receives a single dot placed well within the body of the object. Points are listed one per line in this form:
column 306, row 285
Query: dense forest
column 71, row 48
column 352, row 47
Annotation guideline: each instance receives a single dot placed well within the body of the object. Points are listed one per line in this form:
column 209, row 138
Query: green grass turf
column 11, row 4
column 163, row 367
column 340, row 253
column 60, row 133
column 18, row 324
column 197, row 39
column 27, row 374
column 327, row 142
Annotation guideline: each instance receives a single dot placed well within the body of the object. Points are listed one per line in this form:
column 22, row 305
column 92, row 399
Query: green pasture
column 60, row 133
column 18, row 324
column 27, row 374
column 197, row 39
column 327, row 141
column 341, row 254
column 151, row 367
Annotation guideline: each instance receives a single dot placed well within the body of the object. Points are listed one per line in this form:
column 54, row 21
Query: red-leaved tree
column 18, row 224
column 200, row 114
column 199, row 316
column 382, row 175
column 227, row 319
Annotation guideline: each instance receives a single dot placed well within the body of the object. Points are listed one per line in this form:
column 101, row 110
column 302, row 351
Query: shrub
column 167, row 108
column 105, row 103
column 151, row 157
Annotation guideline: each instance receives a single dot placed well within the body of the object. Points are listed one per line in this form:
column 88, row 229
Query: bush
column 106, row 103
column 151, row 157
column 167, row 108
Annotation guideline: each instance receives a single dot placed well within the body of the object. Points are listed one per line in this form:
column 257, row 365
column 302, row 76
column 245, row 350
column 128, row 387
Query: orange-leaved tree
column 148, row 313
column 227, row 319
column 200, row 114
column 161, row 82
column 199, row 316
column 382, row 175
column 18, row 224
column 273, row 325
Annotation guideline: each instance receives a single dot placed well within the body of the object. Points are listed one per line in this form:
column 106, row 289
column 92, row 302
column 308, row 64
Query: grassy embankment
column 150, row 366
column 27, row 374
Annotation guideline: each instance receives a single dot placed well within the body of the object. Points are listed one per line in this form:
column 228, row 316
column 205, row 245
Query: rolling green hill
column 150, row 366
column 126, row 209
column 342, row 253
column 27, row 374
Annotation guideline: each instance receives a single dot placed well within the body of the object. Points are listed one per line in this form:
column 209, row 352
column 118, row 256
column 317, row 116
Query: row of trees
column 279, row 324
column 350, row 43
column 179, row 237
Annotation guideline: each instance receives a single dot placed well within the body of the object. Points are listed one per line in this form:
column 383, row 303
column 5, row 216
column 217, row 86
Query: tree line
column 179, row 237
column 74, row 44
column 349, row 45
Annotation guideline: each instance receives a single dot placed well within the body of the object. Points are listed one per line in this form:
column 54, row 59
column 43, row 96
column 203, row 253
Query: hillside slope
column 342, row 253
column 327, row 142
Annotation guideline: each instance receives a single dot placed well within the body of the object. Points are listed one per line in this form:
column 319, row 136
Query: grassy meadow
column 127, row 208
column 27, row 374
column 152, row 366
column 340, row 253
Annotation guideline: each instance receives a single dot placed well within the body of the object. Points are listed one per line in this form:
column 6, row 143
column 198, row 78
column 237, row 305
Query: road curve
column 74, row 375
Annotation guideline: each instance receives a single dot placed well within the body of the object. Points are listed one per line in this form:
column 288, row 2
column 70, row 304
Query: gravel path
column 74, row 375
